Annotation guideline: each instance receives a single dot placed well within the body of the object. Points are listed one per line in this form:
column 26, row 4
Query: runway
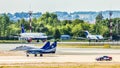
column 64, row 51
column 80, row 51
column 56, row 59
column 62, row 55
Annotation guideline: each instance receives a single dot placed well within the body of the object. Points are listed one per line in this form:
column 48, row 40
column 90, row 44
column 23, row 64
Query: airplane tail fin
column 46, row 46
column 87, row 33
column 53, row 45
column 22, row 28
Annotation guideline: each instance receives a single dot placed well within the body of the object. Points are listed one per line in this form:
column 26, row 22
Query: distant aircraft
column 46, row 49
column 32, row 36
column 93, row 37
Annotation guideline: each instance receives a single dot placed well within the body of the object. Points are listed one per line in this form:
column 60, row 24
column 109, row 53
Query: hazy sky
column 58, row 5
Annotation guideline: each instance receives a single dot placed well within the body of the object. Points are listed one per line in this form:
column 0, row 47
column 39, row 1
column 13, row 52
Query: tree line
column 49, row 23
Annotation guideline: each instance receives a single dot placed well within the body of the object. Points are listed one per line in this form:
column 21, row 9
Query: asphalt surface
column 84, row 51
column 61, row 55
column 67, row 51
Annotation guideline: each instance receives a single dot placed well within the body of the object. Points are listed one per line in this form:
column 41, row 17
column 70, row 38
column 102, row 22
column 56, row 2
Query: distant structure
column 65, row 37
column 110, row 14
column 30, row 20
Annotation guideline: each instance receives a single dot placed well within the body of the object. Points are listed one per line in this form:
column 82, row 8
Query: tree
column 49, row 18
column 77, row 21
column 25, row 23
column 77, row 30
column 57, row 34
column 14, row 30
column 99, row 17
column 42, row 28
column 85, row 26
column 5, row 24
column 64, row 22
column 34, row 24
column 1, row 26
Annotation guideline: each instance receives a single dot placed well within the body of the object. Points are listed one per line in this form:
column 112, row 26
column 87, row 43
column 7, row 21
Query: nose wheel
column 27, row 54
column 41, row 55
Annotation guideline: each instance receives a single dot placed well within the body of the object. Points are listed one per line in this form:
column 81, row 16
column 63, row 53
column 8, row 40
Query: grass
column 84, row 46
column 79, row 46
column 67, row 66
column 69, row 45
column 9, row 41
column 34, row 41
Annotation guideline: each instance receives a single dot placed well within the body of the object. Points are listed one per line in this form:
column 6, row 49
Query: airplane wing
column 21, row 48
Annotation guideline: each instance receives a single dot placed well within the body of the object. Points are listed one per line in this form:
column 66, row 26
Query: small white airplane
column 93, row 37
column 32, row 36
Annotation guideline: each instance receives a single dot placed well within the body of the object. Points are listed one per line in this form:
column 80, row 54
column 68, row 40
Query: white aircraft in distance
column 93, row 37
column 32, row 36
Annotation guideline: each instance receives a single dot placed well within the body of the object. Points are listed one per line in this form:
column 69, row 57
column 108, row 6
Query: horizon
column 56, row 11
column 57, row 5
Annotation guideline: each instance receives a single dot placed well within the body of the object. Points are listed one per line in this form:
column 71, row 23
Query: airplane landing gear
column 41, row 55
column 27, row 55
column 35, row 55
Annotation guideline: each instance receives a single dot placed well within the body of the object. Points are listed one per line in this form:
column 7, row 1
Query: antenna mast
column 110, row 14
column 30, row 19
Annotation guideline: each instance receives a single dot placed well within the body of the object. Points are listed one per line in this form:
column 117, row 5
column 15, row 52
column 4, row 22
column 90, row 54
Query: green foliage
column 49, row 18
column 64, row 22
column 4, row 23
column 77, row 21
column 99, row 17
column 49, row 24
column 26, row 24
column 57, row 34
column 77, row 30
column 42, row 28
column 14, row 29
column 85, row 26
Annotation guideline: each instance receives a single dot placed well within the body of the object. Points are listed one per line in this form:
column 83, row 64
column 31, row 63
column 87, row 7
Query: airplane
column 32, row 36
column 46, row 49
column 93, row 37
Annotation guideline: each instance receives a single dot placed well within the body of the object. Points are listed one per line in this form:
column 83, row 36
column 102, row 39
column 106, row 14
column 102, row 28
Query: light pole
column 30, row 20
column 110, row 14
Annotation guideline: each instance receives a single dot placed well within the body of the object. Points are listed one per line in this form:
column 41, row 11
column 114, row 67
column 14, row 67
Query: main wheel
column 110, row 59
column 41, row 55
column 27, row 55
column 35, row 55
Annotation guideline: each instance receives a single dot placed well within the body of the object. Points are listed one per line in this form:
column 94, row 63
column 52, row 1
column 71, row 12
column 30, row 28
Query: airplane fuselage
column 41, row 51
column 33, row 35
column 95, row 37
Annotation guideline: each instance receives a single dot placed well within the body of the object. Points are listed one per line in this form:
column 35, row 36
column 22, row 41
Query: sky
column 13, row 6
